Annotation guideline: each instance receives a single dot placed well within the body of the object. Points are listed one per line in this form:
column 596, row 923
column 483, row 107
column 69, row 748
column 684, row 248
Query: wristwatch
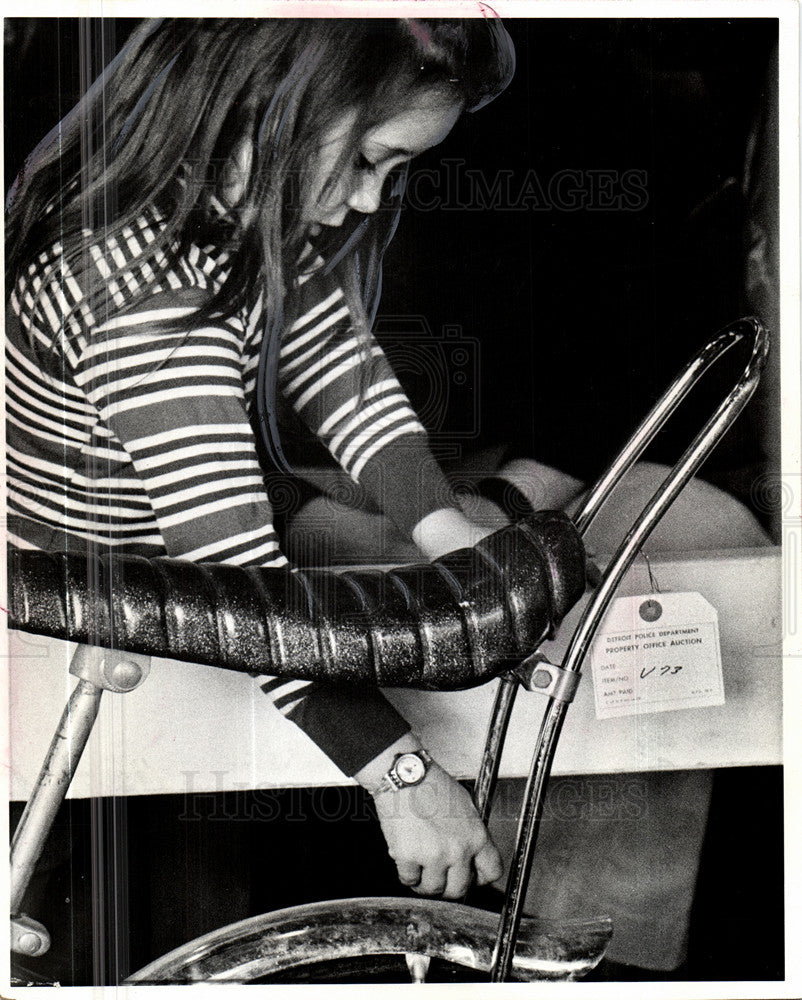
column 408, row 769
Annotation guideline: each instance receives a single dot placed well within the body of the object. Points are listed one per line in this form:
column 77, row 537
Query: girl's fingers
column 433, row 882
column 488, row 864
column 409, row 874
column 459, row 881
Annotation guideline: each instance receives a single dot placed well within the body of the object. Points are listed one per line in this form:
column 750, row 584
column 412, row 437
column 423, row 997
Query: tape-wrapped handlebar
column 449, row 624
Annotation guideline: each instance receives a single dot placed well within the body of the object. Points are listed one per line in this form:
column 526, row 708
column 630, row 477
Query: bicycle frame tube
column 664, row 496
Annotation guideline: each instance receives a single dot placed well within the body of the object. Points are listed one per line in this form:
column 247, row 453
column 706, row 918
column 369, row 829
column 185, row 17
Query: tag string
column 654, row 588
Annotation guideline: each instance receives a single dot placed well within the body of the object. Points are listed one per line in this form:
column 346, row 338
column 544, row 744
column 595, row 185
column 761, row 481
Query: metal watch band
column 391, row 782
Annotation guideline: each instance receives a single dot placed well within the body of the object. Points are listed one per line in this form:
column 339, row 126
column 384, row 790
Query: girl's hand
column 433, row 832
column 436, row 838
column 449, row 529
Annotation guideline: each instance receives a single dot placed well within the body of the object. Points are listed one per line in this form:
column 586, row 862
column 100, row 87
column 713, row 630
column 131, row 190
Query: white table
column 196, row 728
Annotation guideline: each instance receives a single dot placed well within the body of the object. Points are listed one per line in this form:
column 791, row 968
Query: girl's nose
column 366, row 195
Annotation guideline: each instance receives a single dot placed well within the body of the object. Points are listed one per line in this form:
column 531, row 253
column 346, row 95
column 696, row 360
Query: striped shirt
column 123, row 435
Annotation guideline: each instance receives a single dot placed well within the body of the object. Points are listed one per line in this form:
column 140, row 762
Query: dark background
column 584, row 316
column 570, row 322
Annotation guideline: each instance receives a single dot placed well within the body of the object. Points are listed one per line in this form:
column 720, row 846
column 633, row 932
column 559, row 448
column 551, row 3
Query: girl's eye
column 364, row 164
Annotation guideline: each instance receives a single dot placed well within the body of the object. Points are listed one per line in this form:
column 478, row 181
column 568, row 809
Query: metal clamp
column 110, row 669
column 538, row 675
column 28, row 936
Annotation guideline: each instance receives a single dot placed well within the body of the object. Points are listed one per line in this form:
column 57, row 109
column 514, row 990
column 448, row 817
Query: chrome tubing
column 54, row 779
column 650, row 516
column 97, row 671
column 684, row 470
column 670, row 400
column 601, row 491
column 485, row 783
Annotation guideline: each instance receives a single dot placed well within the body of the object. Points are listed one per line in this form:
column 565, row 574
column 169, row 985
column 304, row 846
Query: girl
column 194, row 262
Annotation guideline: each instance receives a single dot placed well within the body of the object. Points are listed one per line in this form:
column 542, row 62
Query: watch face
column 410, row 768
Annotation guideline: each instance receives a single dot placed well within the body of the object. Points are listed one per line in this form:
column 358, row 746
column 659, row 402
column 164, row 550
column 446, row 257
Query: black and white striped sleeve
column 176, row 403
column 343, row 387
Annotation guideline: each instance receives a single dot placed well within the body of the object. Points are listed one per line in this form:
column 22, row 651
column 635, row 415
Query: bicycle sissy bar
column 559, row 682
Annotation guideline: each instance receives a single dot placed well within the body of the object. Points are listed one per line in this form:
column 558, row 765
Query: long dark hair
column 176, row 99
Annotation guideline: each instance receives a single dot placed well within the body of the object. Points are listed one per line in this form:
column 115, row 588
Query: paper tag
column 657, row 653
